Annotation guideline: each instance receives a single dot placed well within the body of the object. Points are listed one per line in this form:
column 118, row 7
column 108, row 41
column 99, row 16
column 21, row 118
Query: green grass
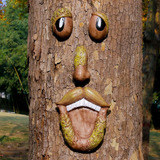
column 13, row 136
column 154, row 145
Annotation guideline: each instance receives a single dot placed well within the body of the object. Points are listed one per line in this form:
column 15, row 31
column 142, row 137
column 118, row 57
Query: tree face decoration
column 82, row 110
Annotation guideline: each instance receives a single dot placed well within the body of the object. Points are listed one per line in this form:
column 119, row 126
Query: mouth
column 83, row 118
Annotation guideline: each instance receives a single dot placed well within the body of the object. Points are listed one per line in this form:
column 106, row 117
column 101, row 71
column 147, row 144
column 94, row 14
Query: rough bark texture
column 150, row 55
column 115, row 67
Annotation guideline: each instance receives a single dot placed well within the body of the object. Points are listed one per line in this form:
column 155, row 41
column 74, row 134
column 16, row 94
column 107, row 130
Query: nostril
column 88, row 75
column 81, row 75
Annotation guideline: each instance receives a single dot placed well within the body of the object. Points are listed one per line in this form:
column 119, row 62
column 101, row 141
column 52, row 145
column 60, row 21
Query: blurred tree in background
column 13, row 53
column 151, row 40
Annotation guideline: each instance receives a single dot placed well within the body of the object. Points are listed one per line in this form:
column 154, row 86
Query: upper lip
column 83, row 97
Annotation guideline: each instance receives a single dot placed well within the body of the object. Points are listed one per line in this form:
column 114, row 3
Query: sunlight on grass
column 154, row 145
column 13, row 136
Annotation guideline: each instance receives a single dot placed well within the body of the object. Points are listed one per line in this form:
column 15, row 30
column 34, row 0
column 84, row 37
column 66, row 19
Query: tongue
column 83, row 121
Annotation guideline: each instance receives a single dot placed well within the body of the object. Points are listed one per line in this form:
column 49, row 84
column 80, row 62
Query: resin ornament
column 80, row 63
column 62, row 24
column 83, row 110
column 83, row 118
column 98, row 26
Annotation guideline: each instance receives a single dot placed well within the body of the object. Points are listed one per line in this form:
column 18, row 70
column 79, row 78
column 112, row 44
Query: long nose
column 81, row 73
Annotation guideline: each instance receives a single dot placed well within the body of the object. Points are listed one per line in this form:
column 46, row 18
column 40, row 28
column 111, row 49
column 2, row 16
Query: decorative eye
column 62, row 24
column 98, row 26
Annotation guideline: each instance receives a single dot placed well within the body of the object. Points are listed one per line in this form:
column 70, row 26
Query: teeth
column 80, row 103
column 83, row 103
column 97, row 108
column 69, row 107
column 86, row 103
column 91, row 105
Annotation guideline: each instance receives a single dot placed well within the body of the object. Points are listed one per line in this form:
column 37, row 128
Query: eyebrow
column 61, row 12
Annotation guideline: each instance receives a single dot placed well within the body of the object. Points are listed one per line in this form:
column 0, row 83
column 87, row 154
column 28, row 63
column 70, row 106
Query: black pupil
column 100, row 24
column 60, row 24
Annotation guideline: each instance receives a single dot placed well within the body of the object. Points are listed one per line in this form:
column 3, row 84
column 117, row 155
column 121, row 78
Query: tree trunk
column 150, row 54
column 114, row 65
column 149, row 68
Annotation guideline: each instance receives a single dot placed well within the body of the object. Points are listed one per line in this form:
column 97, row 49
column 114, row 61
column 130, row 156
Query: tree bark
column 115, row 66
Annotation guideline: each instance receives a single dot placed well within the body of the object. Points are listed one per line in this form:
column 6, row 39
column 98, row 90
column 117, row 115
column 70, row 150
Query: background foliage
column 13, row 52
column 13, row 48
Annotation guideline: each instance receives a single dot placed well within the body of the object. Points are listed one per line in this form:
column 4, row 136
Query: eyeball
column 62, row 24
column 98, row 26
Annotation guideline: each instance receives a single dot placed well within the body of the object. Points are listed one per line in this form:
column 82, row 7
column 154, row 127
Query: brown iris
column 98, row 26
